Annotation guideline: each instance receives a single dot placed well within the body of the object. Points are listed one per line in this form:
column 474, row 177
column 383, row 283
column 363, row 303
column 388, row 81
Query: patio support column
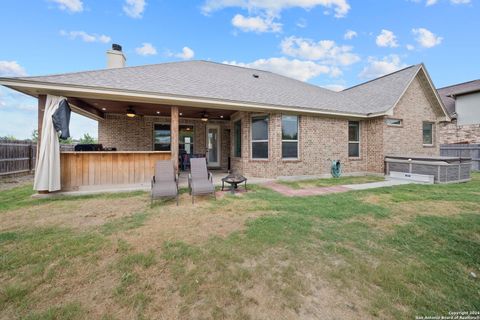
column 174, row 127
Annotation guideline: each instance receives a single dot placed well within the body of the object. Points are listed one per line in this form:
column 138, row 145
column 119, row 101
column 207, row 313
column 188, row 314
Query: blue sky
column 331, row 43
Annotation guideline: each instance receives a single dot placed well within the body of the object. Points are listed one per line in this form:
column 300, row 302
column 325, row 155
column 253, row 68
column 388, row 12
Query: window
column 290, row 137
column 162, row 137
column 237, row 138
column 260, row 137
column 428, row 133
column 393, row 122
column 354, row 139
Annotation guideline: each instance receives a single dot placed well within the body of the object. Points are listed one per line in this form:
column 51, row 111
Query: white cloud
column 86, row 37
column 256, row 24
column 334, row 87
column 410, row 47
column 186, row 54
column 70, row 5
column 274, row 7
column 11, row 69
column 134, row 8
column 147, row 49
column 350, row 34
column 326, row 51
column 387, row 38
column 377, row 68
column 297, row 69
column 426, row 38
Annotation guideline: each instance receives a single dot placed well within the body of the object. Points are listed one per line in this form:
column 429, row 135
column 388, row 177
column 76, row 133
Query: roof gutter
column 461, row 93
column 150, row 97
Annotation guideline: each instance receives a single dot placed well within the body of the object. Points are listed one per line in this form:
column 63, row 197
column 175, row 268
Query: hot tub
column 443, row 169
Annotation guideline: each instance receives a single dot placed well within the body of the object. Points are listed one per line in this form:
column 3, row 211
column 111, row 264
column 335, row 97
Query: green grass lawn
column 301, row 184
column 389, row 253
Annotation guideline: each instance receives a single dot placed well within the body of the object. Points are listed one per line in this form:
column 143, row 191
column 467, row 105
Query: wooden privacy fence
column 463, row 150
column 17, row 157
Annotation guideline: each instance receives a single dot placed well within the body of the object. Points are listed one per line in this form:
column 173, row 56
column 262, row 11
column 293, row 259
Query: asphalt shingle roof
column 382, row 93
column 204, row 79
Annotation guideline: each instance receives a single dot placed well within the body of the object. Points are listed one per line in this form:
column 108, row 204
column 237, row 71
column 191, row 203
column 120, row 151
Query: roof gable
column 382, row 94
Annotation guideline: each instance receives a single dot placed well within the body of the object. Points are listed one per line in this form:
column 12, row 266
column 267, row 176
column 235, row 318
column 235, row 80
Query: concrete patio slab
column 380, row 184
column 318, row 191
column 182, row 183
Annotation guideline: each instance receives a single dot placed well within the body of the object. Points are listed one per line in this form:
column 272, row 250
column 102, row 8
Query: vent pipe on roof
column 115, row 57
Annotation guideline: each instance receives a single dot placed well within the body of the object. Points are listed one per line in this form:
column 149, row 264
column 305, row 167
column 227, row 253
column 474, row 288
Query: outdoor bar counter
column 92, row 168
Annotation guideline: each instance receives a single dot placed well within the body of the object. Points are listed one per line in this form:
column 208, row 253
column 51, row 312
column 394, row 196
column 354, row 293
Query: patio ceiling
column 99, row 107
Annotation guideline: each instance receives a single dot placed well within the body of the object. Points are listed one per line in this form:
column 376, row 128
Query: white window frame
column 268, row 137
column 392, row 124
column 433, row 134
column 357, row 142
column 298, row 137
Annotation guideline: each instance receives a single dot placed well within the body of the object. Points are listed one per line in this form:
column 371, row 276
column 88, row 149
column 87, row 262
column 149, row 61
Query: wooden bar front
column 108, row 167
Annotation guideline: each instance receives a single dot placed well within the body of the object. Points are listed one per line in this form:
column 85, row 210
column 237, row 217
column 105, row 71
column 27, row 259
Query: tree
column 88, row 139
column 8, row 137
column 66, row 141
column 35, row 135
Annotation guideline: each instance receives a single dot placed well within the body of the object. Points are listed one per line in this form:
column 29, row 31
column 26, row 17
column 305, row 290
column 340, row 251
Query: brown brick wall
column 321, row 141
column 450, row 132
column 136, row 134
column 413, row 108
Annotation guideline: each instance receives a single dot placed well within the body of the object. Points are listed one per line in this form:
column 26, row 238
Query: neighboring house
column 259, row 123
column 462, row 102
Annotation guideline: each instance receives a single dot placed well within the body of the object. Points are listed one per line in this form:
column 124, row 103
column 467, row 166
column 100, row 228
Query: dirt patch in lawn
column 279, row 290
column 77, row 214
column 90, row 284
column 192, row 223
column 377, row 198
column 13, row 182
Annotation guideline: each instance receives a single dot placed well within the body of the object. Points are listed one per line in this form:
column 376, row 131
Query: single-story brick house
column 258, row 123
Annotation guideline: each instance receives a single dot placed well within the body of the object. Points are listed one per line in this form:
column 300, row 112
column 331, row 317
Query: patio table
column 234, row 180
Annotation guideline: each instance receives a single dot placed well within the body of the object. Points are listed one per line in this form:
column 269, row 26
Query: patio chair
column 164, row 182
column 200, row 180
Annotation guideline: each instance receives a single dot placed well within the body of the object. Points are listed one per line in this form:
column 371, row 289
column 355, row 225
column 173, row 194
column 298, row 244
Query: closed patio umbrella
column 47, row 171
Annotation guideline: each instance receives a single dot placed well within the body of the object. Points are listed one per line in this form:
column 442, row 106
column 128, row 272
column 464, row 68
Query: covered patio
column 134, row 135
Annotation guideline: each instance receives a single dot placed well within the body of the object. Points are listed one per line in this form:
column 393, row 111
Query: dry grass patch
column 79, row 214
column 7, row 183
column 404, row 212
column 194, row 223
column 286, row 286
